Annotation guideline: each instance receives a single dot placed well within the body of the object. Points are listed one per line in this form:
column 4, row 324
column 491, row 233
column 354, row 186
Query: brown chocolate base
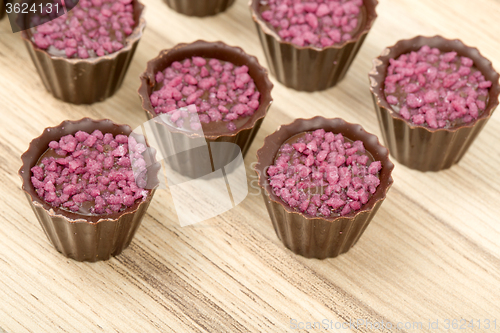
column 83, row 241
column 310, row 68
column 84, row 237
column 419, row 147
column 86, row 81
column 199, row 8
column 315, row 237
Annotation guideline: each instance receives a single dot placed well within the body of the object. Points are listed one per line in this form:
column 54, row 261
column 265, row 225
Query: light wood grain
column 431, row 253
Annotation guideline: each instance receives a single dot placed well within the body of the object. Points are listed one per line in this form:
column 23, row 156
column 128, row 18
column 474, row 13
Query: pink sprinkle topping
column 92, row 174
column 436, row 89
column 318, row 23
column 214, row 89
column 93, row 28
column 335, row 179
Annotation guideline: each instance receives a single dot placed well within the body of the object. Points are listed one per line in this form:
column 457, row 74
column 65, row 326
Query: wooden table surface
column 432, row 253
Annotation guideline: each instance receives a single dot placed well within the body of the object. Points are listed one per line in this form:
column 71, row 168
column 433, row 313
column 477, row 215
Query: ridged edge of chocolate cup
column 314, row 237
column 85, row 238
column 86, row 81
column 244, row 135
column 199, row 8
column 420, row 147
column 309, row 68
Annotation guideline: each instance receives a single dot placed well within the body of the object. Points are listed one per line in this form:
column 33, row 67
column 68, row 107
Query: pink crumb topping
column 436, row 89
column 323, row 174
column 319, row 23
column 93, row 28
column 216, row 90
column 94, row 169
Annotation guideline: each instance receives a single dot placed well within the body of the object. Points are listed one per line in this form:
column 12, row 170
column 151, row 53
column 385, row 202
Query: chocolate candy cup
column 199, row 7
column 420, row 147
column 168, row 136
column 82, row 237
column 86, row 81
column 310, row 68
column 319, row 237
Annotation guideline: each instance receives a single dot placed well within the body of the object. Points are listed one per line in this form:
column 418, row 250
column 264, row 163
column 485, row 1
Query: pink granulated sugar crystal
column 436, row 89
column 322, row 174
column 318, row 23
column 91, row 29
column 92, row 173
column 214, row 89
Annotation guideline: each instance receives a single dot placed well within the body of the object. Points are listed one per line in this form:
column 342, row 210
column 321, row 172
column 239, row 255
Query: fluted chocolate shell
column 199, row 8
column 86, row 81
column 85, row 237
column 311, row 236
column 170, row 136
column 420, row 147
column 310, row 68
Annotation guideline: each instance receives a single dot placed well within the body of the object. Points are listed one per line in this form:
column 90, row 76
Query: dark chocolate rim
column 210, row 8
column 378, row 72
column 274, row 141
column 37, row 148
column 131, row 39
column 370, row 18
column 258, row 73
